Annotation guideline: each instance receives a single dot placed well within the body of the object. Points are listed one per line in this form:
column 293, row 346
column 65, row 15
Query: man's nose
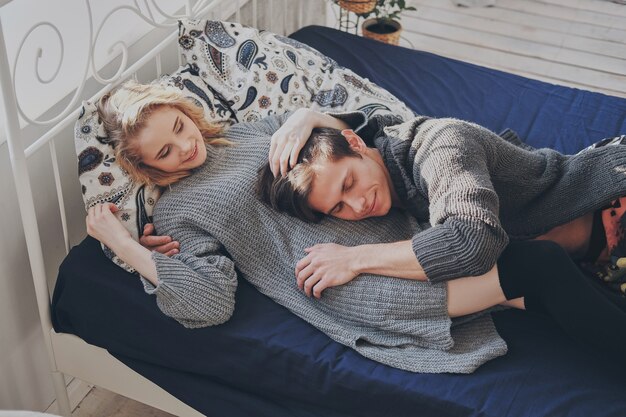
column 358, row 204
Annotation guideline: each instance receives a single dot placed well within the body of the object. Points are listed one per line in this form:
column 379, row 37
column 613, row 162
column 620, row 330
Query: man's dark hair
column 289, row 193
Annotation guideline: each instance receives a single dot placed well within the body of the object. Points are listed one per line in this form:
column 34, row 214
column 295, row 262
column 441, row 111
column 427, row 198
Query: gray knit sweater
column 221, row 225
column 478, row 190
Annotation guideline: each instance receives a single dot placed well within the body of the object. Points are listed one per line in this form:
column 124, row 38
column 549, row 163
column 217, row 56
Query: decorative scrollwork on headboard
column 153, row 15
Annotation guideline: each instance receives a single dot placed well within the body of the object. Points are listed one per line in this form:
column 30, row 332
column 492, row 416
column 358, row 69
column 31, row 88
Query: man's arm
column 390, row 259
column 329, row 265
column 452, row 166
column 448, row 160
column 337, row 265
column 162, row 244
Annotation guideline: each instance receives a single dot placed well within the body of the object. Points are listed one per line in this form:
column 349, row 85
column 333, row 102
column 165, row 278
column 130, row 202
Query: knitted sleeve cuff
column 443, row 256
column 162, row 263
column 148, row 287
column 198, row 297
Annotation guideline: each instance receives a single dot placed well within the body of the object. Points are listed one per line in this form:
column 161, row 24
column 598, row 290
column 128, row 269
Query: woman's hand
column 326, row 265
column 104, row 226
column 287, row 142
column 289, row 139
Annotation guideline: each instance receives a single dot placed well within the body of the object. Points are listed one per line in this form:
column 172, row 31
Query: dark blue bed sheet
column 267, row 362
column 545, row 115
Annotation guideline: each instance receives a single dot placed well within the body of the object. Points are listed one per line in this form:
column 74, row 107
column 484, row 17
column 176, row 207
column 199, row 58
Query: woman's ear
column 354, row 140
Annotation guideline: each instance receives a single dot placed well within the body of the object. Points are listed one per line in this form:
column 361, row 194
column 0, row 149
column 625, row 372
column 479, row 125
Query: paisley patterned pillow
column 260, row 73
column 103, row 180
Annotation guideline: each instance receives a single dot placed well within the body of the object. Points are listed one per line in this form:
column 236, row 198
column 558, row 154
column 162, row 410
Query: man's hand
column 162, row 244
column 326, row 265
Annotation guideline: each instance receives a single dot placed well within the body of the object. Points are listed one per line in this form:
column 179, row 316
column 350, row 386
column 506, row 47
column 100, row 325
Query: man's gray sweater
column 478, row 190
column 226, row 232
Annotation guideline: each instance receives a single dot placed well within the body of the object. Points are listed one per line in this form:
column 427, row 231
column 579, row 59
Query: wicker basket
column 358, row 6
column 392, row 38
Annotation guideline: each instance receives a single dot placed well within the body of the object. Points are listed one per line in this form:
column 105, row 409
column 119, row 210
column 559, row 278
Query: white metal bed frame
column 68, row 354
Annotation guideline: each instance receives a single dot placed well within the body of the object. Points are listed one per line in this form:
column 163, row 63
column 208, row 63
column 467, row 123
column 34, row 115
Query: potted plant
column 357, row 6
column 385, row 25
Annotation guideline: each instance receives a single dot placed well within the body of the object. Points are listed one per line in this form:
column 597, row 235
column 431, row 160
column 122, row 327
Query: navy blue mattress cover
column 266, row 361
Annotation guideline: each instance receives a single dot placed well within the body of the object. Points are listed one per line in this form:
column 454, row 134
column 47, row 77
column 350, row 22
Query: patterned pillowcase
column 260, row 73
column 615, row 141
column 103, row 180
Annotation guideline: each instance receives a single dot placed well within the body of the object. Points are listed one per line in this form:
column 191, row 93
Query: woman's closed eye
column 180, row 127
column 165, row 153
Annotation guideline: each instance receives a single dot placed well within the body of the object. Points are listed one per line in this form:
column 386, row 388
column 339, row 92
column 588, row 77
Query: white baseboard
column 76, row 390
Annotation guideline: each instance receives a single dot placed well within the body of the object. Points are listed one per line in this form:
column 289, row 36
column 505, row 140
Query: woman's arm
column 196, row 287
column 289, row 139
column 104, row 226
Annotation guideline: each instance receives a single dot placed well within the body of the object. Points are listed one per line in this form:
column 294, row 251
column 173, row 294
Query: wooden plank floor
column 102, row 403
column 579, row 43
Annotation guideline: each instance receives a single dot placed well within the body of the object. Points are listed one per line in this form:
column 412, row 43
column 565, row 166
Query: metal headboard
column 22, row 147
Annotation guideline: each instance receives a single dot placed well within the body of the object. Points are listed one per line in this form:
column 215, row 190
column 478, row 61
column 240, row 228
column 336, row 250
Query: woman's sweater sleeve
column 196, row 286
column 452, row 165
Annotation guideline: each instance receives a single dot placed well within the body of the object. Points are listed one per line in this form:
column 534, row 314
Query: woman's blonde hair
column 124, row 113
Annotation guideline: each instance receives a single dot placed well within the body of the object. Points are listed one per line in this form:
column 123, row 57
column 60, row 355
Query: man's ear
column 354, row 140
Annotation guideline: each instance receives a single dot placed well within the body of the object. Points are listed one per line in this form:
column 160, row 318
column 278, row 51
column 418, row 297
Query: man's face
column 351, row 188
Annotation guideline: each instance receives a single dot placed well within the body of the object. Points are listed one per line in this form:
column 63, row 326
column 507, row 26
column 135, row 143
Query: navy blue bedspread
column 545, row 115
column 267, row 362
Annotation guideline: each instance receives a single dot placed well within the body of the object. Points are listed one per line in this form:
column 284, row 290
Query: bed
column 267, row 362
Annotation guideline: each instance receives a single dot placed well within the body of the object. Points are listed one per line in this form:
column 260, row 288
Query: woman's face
column 351, row 188
column 171, row 141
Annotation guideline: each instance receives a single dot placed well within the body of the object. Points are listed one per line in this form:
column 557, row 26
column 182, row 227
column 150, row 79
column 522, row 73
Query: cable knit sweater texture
column 479, row 190
column 225, row 232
